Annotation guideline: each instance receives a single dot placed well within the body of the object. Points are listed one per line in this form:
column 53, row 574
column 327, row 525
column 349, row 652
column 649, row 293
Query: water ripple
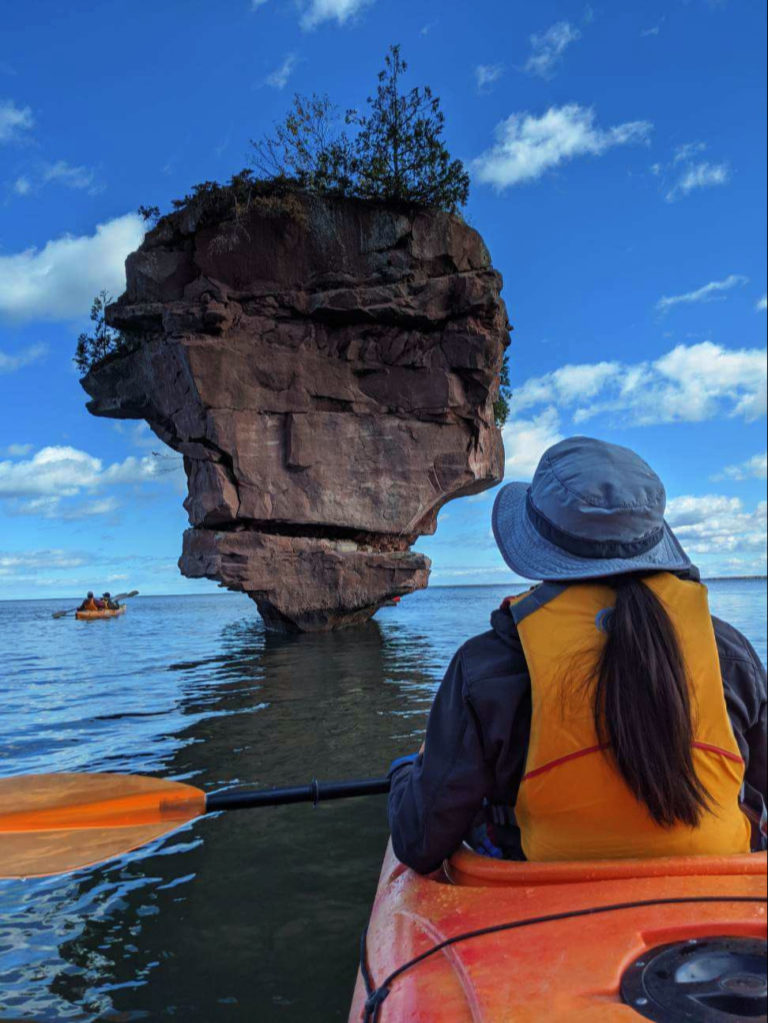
column 239, row 916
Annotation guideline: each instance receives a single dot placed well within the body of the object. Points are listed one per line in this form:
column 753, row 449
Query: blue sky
column 618, row 176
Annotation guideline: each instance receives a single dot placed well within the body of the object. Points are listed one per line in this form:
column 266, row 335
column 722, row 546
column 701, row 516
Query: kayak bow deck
column 88, row 616
column 572, row 967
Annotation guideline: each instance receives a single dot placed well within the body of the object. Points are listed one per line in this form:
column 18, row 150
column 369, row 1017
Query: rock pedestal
column 328, row 368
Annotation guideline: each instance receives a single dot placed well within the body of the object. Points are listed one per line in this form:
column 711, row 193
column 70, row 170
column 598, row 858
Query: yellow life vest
column 572, row 803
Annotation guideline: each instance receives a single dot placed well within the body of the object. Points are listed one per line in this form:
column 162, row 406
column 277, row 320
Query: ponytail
column 642, row 707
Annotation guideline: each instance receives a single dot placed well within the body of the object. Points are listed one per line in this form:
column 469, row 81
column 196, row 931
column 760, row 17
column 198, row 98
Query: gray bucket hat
column 593, row 509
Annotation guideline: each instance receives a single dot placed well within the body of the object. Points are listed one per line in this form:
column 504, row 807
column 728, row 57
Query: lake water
column 244, row 916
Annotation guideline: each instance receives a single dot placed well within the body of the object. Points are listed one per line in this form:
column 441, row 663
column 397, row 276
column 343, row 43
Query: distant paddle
column 117, row 599
column 55, row 823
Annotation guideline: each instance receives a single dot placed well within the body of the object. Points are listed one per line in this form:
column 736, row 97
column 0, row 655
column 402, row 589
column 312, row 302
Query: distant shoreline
column 726, row 578
column 436, row 586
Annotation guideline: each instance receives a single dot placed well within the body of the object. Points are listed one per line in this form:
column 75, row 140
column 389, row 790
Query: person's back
column 639, row 774
column 89, row 604
column 604, row 706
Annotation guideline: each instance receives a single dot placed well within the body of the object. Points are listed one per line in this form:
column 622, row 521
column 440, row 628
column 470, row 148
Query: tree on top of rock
column 399, row 150
column 308, row 148
column 396, row 154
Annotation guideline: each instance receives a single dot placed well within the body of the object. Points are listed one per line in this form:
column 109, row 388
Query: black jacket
column 477, row 740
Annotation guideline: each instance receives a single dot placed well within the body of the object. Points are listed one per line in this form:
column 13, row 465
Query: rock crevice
column 328, row 374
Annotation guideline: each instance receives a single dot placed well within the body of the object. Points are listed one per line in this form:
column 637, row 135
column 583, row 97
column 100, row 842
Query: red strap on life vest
column 505, row 604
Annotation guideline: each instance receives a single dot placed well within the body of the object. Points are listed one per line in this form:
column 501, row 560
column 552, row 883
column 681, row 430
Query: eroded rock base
column 333, row 583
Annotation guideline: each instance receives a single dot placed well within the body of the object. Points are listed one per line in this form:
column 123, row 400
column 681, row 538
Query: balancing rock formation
column 328, row 370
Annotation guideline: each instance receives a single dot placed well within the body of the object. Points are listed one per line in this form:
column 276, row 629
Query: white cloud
column 753, row 468
column 487, row 74
column 706, row 293
column 526, row 440
column 53, row 508
column 278, row 79
column 724, row 567
column 547, row 48
column 652, row 31
column 699, row 175
column 696, row 382
column 22, row 186
column 38, row 485
column 315, row 12
column 565, row 385
column 686, row 172
column 686, row 152
column 58, row 282
column 72, row 177
column 65, row 174
column 687, row 384
column 14, row 121
column 53, row 471
column 527, row 146
column 10, row 363
column 713, row 524
column 11, row 562
column 17, row 450
column 340, row 11
column 762, row 304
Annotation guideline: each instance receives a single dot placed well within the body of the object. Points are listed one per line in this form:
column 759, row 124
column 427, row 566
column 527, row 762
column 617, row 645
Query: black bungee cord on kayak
column 375, row 995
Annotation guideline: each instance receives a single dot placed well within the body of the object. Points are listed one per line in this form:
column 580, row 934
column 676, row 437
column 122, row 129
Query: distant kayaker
column 606, row 714
column 109, row 603
column 89, row 604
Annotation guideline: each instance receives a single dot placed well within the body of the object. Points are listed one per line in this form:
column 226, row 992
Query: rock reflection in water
column 250, row 915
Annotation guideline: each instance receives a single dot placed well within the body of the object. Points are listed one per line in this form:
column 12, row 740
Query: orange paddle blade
column 54, row 823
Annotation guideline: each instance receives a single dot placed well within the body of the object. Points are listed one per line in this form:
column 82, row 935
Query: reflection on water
column 253, row 915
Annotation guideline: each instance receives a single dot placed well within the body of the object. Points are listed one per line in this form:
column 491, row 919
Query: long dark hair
column 642, row 706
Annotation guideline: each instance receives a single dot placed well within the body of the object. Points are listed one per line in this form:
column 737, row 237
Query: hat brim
column 531, row 556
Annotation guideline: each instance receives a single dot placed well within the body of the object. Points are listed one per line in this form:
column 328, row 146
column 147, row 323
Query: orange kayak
column 612, row 940
column 88, row 616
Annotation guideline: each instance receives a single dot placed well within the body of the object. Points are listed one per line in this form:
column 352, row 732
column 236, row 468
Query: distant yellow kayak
column 87, row 616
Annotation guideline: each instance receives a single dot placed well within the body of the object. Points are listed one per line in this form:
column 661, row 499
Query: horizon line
column 436, row 586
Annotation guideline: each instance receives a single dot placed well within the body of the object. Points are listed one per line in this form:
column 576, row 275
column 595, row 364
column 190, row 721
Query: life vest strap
column 705, row 746
column 523, row 604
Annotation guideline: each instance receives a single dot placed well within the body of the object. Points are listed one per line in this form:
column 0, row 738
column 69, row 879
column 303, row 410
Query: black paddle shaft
column 316, row 792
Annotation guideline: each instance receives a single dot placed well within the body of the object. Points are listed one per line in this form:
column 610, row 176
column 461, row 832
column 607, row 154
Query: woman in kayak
column 606, row 714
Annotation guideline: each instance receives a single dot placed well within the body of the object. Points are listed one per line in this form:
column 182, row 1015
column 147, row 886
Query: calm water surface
column 250, row 916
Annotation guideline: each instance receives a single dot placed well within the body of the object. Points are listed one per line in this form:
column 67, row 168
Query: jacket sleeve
column 744, row 683
column 433, row 801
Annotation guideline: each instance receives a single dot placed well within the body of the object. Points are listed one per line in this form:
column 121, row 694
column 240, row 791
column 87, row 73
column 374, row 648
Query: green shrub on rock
column 103, row 341
column 501, row 405
column 395, row 153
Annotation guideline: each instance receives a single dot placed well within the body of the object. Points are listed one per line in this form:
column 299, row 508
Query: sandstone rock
column 330, row 582
column 328, row 371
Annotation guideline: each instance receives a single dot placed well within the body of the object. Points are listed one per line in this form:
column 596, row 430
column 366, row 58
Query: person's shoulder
column 733, row 645
column 489, row 655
